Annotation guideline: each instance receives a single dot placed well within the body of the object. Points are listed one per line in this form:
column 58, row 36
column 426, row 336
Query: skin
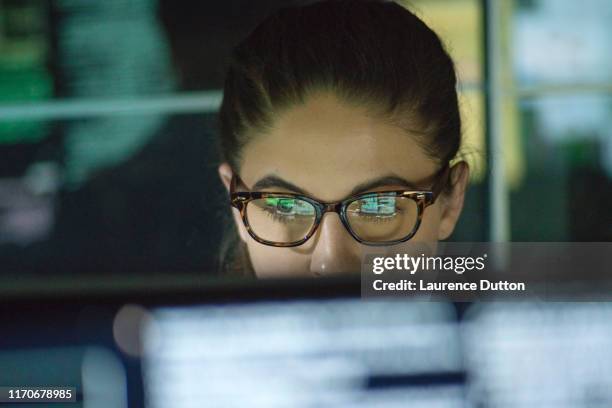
column 327, row 148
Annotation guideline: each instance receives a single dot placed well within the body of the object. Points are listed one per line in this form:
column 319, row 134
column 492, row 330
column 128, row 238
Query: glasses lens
column 281, row 219
column 382, row 218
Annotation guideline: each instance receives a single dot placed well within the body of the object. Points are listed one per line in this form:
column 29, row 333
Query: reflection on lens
column 380, row 218
column 281, row 219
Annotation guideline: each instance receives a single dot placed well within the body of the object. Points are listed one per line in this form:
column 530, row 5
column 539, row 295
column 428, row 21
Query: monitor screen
column 336, row 352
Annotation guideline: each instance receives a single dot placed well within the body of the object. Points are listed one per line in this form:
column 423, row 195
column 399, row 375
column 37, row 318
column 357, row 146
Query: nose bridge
column 335, row 249
column 332, row 207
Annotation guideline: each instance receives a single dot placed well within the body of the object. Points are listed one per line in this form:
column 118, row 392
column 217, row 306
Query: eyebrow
column 272, row 181
column 381, row 182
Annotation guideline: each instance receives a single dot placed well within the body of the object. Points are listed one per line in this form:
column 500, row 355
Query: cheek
column 271, row 262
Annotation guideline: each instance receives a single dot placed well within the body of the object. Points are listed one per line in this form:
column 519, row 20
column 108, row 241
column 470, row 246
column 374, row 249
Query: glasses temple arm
column 441, row 181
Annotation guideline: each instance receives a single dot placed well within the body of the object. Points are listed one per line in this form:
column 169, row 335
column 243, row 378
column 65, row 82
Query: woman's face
column 328, row 149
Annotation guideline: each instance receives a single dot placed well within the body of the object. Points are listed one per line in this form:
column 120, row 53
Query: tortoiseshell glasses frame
column 422, row 198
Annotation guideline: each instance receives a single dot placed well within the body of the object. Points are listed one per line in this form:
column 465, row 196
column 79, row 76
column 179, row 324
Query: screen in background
column 340, row 353
column 536, row 355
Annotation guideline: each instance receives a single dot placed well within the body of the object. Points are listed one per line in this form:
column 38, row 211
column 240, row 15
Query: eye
column 285, row 205
column 374, row 207
column 288, row 209
column 377, row 206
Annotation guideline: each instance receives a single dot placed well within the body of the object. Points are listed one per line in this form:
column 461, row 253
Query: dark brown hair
column 370, row 53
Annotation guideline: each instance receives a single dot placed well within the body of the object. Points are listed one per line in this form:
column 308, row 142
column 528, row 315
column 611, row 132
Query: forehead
column 327, row 147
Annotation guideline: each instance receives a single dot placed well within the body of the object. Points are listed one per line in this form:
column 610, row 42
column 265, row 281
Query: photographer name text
column 412, row 286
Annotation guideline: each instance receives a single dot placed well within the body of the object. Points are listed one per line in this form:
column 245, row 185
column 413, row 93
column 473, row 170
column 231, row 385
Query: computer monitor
column 306, row 343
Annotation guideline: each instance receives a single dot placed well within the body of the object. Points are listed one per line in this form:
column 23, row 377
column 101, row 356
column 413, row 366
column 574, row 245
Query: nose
column 335, row 250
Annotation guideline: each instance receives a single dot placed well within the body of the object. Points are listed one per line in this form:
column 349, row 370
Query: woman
column 347, row 111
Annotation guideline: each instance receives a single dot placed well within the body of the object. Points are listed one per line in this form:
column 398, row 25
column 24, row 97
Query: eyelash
column 380, row 219
column 272, row 213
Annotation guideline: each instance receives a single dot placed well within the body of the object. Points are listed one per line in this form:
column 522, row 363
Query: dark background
column 135, row 193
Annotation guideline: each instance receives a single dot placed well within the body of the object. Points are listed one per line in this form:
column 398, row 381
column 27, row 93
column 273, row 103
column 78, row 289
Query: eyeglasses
column 376, row 219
